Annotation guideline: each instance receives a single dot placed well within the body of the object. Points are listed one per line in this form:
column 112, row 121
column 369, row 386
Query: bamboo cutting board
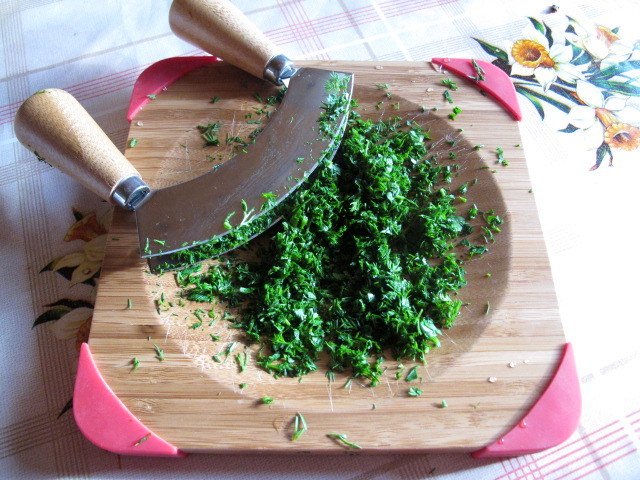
column 197, row 405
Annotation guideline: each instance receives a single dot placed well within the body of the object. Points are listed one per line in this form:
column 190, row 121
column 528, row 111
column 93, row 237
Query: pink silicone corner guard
column 496, row 83
column 551, row 420
column 160, row 75
column 105, row 420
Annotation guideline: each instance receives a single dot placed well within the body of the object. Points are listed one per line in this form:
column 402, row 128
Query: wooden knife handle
column 220, row 28
column 53, row 125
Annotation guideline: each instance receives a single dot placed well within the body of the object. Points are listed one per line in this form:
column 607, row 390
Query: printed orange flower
column 533, row 55
column 85, row 229
column 622, row 136
column 89, row 226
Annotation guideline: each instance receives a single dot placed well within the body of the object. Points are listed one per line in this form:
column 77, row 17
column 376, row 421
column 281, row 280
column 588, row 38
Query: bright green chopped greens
column 455, row 112
column 362, row 261
column 363, row 264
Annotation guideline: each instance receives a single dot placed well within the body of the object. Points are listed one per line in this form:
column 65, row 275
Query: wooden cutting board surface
column 197, row 404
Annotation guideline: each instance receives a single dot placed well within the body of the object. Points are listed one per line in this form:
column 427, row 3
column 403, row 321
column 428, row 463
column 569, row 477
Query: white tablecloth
column 95, row 50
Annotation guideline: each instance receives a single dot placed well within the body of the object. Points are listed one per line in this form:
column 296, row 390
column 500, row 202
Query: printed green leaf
column 569, row 129
column 548, row 33
column 534, row 101
column 580, row 56
column 627, row 88
column 601, row 153
column 538, row 25
column 71, row 304
column 67, row 273
column 543, row 28
column 615, row 69
column 564, row 94
column 493, row 51
column 67, row 406
column 77, row 214
column 560, row 106
column 51, row 315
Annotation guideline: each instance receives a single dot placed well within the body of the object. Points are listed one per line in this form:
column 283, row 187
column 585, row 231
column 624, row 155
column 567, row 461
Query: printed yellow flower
column 532, row 55
column 86, row 262
column 612, row 120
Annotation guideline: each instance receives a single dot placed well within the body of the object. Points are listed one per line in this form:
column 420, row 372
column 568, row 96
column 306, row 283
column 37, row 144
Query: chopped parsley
column 241, row 360
column 450, row 84
column 500, row 154
column 209, row 134
column 159, row 352
column 456, row 111
column 363, row 262
column 414, row 392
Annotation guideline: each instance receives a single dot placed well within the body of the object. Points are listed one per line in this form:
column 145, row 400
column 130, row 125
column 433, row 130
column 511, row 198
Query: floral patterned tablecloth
column 576, row 67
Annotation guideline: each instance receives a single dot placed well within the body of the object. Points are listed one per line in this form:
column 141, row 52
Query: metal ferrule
column 278, row 69
column 130, row 193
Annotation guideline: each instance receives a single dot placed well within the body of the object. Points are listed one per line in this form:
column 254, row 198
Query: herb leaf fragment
column 299, row 427
column 414, row 392
column 341, row 438
column 135, row 363
column 412, row 375
column 450, row 84
column 159, row 352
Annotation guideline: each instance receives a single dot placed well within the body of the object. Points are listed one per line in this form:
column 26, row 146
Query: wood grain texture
column 220, row 28
column 57, row 128
column 197, row 404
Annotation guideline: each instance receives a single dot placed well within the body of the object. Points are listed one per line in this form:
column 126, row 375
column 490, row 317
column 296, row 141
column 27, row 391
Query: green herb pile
column 363, row 261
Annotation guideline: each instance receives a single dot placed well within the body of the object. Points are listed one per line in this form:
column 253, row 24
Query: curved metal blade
column 191, row 213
